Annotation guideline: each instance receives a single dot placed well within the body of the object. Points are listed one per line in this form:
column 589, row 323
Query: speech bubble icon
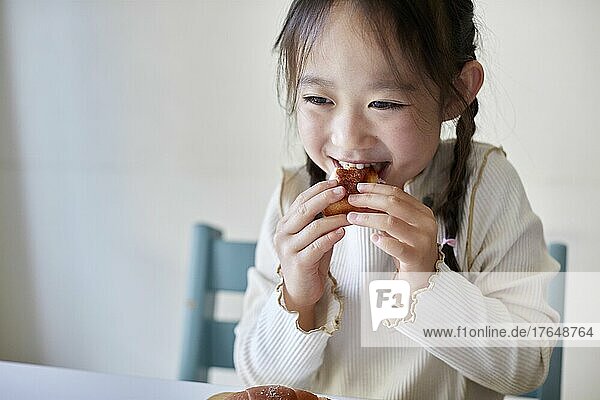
column 388, row 299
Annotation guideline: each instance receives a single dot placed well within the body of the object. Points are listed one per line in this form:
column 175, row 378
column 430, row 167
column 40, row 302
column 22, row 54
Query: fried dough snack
column 349, row 178
column 273, row 392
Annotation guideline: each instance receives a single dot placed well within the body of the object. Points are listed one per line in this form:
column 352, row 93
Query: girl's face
column 350, row 107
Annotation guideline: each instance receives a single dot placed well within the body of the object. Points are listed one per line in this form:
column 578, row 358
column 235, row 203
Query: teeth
column 377, row 166
column 347, row 165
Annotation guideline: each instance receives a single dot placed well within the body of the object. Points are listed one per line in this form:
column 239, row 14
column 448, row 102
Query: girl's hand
column 304, row 246
column 409, row 228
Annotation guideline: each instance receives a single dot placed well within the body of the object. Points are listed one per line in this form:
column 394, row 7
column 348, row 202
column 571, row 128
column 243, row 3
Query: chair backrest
column 550, row 389
column 215, row 264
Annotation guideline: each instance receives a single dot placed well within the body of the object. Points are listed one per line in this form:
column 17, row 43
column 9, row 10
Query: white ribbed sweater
column 499, row 232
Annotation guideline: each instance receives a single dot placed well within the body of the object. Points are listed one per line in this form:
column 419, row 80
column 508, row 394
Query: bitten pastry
column 273, row 392
column 349, row 178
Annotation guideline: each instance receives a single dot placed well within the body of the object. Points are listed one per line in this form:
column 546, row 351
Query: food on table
column 272, row 392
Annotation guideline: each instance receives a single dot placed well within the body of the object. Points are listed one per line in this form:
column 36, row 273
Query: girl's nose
column 350, row 131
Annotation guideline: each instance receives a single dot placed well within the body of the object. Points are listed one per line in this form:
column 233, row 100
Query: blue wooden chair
column 550, row 389
column 215, row 265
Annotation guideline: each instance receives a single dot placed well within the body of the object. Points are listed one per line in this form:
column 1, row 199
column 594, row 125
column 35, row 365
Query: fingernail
column 338, row 190
column 353, row 217
column 360, row 186
column 339, row 231
column 352, row 198
column 375, row 238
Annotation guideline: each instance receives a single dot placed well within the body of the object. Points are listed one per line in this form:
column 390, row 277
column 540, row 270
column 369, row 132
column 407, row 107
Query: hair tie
column 450, row 242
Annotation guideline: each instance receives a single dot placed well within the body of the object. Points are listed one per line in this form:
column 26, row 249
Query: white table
column 35, row 382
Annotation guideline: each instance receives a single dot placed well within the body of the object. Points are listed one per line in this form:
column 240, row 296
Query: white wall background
column 123, row 123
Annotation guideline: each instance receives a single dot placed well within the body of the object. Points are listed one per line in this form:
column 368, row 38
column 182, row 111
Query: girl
column 370, row 82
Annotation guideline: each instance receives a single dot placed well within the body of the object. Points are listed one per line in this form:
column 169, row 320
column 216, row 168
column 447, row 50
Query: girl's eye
column 319, row 101
column 385, row 105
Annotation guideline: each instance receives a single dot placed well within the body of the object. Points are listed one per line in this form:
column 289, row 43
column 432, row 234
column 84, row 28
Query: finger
column 315, row 251
column 311, row 192
column 394, row 191
column 402, row 251
column 315, row 230
column 396, row 228
column 392, row 205
column 307, row 211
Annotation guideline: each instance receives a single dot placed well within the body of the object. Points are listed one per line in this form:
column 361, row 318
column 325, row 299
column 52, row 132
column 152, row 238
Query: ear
column 468, row 84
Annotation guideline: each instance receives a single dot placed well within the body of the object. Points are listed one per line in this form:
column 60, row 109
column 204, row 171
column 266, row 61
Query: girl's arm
column 270, row 344
column 504, row 236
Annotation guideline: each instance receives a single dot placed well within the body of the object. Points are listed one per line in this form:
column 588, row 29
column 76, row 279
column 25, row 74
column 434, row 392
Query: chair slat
column 230, row 264
column 221, row 350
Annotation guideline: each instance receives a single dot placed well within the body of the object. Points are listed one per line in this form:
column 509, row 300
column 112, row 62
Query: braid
column 451, row 210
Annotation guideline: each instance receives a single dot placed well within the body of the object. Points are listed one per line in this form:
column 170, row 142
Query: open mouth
column 380, row 167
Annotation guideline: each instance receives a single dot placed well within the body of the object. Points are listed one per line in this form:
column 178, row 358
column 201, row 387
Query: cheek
column 413, row 136
column 311, row 130
column 308, row 120
column 419, row 127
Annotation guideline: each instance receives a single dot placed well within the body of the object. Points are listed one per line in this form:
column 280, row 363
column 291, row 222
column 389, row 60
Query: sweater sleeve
column 501, row 234
column 269, row 344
